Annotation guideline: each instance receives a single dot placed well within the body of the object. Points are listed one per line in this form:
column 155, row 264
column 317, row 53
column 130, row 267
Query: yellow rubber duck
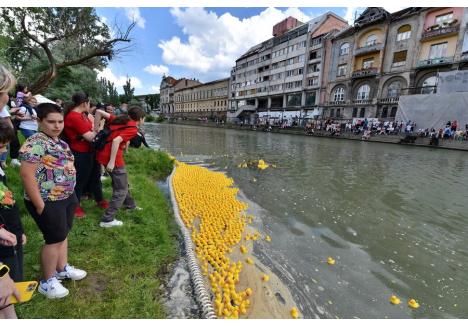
column 395, row 300
column 262, row 165
column 249, row 261
column 267, row 238
column 265, row 278
column 413, row 304
column 330, row 261
column 243, row 249
column 294, row 313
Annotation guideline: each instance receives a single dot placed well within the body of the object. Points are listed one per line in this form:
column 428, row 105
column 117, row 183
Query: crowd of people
column 68, row 148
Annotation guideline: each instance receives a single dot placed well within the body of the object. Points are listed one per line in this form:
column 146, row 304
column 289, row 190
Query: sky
column 200, row 43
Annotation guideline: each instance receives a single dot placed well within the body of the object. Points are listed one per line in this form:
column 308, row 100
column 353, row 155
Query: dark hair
column 20, row 87
column 7, row 134
column 135, row 113
column 67, row 107
column 79, row 97
column 44, row 109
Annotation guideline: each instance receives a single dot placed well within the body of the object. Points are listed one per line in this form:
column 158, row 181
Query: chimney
column 285, row 25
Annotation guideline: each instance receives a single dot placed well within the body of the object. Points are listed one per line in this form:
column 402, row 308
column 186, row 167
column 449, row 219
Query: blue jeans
column 27, row 132
column 3, row 156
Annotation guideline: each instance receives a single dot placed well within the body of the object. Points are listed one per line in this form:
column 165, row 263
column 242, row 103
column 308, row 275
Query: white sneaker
column 53, row 289
column 15, row 162
column 111, row 224
column 72, row 273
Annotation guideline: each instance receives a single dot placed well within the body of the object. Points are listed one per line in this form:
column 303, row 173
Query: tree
column 152, row 100
column 128, row 92
column 64, row 37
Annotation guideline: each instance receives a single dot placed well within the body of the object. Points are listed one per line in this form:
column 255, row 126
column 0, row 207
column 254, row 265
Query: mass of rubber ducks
column 216, row 218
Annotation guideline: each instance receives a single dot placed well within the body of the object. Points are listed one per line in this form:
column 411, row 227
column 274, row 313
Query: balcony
column 434, row 62
column 389, row 100
column 464, row 56
column 436, row 31
column 365, row 101
column 365, row 72
column 337, row 103
column 368, row 48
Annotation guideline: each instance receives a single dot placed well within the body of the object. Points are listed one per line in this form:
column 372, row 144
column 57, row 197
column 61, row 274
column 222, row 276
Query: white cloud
column 119, row 81
column 134, row 15
column 215, row 42
column 155, row 88
column 157, row 70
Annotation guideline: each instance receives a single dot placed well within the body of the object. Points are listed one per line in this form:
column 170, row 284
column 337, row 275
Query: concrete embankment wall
column 389, row 139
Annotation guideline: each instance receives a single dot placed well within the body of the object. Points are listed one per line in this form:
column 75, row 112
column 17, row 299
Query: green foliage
column 160, row 118
column 125, row 265
column 73, row 79
column 109, row 92
column 152, row 100
column 43, row 41
column 127, row 97
column 150, row 118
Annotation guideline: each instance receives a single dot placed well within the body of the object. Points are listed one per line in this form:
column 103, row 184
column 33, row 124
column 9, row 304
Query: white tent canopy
column 42, row 99
column 434, row 110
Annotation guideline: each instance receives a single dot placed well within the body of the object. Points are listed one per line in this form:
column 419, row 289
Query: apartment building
column 387, row 55
column 282, row 75
column 168, row 87
column 203, row 100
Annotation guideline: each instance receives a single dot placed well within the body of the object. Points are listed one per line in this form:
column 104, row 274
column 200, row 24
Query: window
column 367, row 63
column 399, row 59
column 294, row 100
column 315, row 67
column 393, row 112
column 332, row 113
column 371, row 40
column 394, row 89
column 362, row 112
column 354, row 112
column 310, row 98
column 344, row 49
column 342, row 70
column 312, row 81
column 444, row 18
column 363, row 92
column 297, row 83
column 316, row 41
column 384, row 112
column 314, row 55
column 438, row 50
column 338, row 113
column 429, row 85
column 339, row 94
column 404, row 33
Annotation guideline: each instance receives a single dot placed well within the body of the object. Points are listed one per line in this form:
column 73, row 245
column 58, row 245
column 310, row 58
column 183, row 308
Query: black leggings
column 88, row 175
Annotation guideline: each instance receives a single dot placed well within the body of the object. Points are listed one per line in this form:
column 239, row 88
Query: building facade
column 207, row 100
column 282, row 74
column 166, row 92
column 387, row 55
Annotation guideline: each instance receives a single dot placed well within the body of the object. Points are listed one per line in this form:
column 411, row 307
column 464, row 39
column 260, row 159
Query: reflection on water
column 393, row 217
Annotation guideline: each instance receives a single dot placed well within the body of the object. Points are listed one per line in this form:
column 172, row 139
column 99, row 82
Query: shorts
column 56, row 220
column 15, row 263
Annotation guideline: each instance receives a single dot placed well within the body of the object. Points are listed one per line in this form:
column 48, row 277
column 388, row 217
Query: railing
column 440, row 31
column 337, row 103
column 464, row 56
column 398, row 64
column 365, row 72
column 435, row 61
column 388, row 100
column 363, row 101
column 368, row 47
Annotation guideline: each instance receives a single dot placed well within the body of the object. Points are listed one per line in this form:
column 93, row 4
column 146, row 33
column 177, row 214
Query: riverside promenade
column 389, row 139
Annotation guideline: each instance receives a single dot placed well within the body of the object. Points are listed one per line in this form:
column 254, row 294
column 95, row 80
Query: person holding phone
column 49, row 177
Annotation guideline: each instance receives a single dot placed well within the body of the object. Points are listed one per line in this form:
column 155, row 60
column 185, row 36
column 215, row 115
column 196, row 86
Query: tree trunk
column 44, row 81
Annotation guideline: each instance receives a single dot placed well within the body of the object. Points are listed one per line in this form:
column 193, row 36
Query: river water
column 394, row 218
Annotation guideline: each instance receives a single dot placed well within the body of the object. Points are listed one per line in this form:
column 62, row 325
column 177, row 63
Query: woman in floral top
column 49, row 178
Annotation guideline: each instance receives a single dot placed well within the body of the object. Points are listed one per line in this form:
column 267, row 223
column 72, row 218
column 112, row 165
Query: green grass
column 125, row 265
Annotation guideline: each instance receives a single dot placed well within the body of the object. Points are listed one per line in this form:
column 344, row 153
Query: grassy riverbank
column 125, row 265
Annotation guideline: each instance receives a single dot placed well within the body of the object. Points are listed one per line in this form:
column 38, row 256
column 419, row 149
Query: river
column 394, row 218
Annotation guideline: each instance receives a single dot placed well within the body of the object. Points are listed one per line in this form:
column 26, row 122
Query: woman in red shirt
column 79, row 133
column 123, row 128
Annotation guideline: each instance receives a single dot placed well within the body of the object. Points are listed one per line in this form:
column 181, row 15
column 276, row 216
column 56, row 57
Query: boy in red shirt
column 123, row 128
